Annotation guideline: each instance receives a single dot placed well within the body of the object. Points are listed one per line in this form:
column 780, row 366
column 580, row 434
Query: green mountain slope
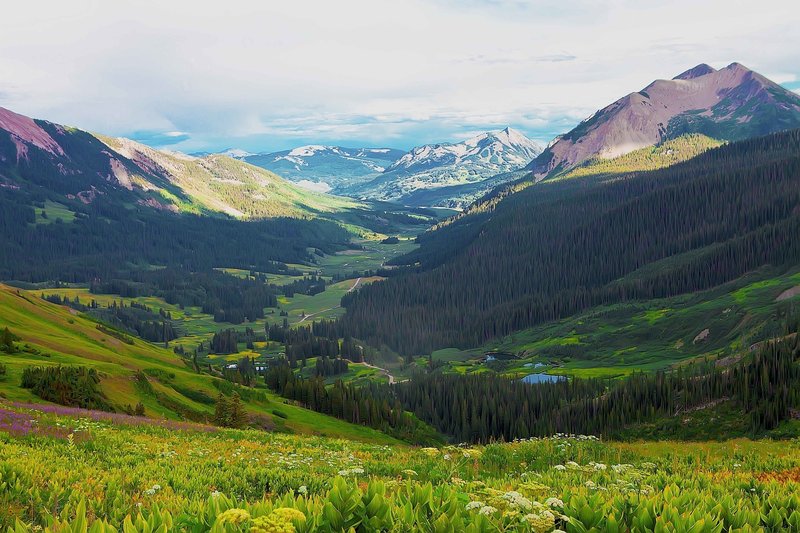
column 661, row 155
column 37, row 155
column 218, row 183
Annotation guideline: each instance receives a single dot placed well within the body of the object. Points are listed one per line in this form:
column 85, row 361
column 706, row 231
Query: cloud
column 269, row 75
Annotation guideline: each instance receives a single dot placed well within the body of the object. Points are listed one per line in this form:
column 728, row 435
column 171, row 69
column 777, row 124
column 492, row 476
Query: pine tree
column 222, row 411
column 238, row 416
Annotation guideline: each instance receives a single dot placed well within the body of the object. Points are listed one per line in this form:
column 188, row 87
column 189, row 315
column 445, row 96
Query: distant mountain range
column 465, row 170
column 728, row 104
column 324, row 168
column 445, row 174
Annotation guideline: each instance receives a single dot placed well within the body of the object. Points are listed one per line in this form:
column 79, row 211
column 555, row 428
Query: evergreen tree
column 222, row 411
column 238, row 416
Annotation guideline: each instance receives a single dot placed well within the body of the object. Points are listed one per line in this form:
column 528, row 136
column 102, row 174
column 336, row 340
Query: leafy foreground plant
column 86, row 473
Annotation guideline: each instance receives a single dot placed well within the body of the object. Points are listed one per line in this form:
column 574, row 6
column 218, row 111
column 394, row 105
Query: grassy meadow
column 66, row 469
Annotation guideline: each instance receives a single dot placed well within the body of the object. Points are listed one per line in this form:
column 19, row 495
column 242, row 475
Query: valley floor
column 65, row 469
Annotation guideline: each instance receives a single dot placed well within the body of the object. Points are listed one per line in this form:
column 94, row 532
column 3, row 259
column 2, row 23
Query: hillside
column 557, row 248
column 657, row 156
column 43, row 157
column 76, row 206
column 132, row 371
column 216, row 183
column 729, row 104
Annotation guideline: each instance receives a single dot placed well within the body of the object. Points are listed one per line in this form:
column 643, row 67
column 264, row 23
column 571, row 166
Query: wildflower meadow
column 75, row 470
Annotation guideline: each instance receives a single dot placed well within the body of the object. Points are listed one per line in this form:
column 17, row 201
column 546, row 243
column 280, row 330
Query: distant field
column 197, row 327
column 52, row 212
column 372, row 257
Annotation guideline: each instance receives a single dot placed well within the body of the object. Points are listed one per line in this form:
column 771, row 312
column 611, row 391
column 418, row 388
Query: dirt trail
column 383, row 371
column 351, row 289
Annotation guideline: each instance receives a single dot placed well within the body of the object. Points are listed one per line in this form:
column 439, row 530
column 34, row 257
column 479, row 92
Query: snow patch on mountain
column 236, row 153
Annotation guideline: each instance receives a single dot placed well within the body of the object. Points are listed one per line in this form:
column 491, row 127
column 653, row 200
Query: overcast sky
column 268, row 75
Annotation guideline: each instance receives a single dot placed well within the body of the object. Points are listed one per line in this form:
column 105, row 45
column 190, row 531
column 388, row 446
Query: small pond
column 542, row 378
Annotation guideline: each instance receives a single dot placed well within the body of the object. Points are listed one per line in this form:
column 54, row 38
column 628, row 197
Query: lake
column 542, row 378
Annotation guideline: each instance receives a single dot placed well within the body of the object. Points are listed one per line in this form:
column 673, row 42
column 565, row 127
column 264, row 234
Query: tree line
column 764, row 387
column 365, row 405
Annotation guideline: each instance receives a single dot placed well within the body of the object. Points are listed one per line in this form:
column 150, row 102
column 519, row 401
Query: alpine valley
column 600, row 334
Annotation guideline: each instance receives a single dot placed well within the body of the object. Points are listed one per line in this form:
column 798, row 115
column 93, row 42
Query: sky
column 268, row 75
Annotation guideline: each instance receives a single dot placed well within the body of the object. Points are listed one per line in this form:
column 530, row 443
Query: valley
column 483, row 334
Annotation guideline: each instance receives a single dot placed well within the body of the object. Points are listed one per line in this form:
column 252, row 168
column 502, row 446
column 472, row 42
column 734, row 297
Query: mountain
column 467, row 165
column 236, row 153
column 327, row 168
column 74, row 164
column 729, row 104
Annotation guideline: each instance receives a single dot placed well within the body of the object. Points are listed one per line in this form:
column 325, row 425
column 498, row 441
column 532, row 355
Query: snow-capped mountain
column 327, row 167
column 728, row 104
column 465, row 167
column 497, row 152
column 236, row 153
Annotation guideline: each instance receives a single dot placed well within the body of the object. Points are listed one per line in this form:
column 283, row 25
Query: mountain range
column 326, row 168
column 462, row 169
column 729, row 104
column 443, row 174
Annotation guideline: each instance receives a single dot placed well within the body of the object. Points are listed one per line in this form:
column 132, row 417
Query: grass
column 356, row 373
column 52, row 212
column 653, row 157
column 372, row 257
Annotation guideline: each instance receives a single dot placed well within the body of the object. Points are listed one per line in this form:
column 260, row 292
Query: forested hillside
column 759, row 393
column 559, row 247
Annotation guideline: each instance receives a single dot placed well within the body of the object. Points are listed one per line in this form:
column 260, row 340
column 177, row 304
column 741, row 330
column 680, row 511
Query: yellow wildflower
column 289, row 513
column 280, row 520
column 233, row 516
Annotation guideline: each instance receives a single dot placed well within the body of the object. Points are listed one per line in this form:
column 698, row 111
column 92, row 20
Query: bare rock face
column 24, row 130
column 729, row 104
